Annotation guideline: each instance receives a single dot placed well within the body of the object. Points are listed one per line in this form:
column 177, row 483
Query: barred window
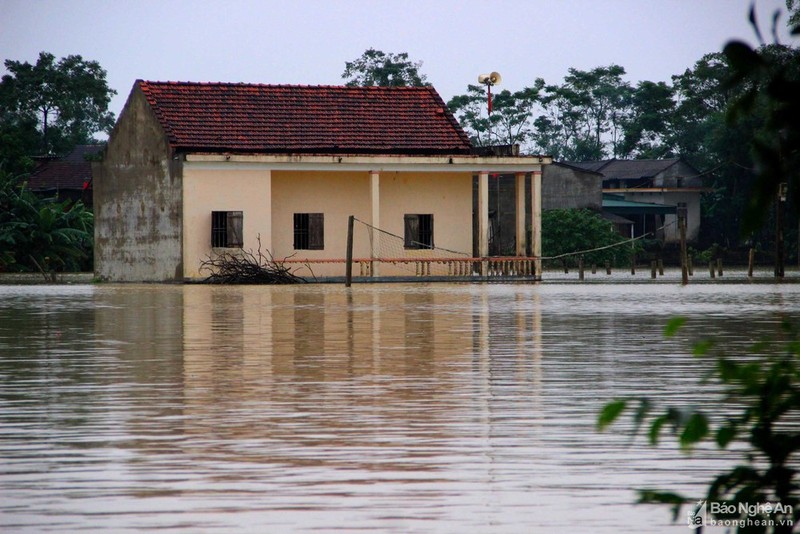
column 309, row 231
column 418, row 230
column 226, row 229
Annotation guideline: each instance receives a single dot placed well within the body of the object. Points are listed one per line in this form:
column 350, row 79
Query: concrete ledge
column 38, row 278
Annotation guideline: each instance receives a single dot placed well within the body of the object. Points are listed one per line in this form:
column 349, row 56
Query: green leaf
column 725, row 435
column 673, row 325
column 695, row 430
column 701, row 348
column 742, row 57
column 610, row 413
column 655, row 428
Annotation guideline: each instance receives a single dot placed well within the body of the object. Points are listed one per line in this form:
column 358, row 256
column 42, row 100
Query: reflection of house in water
column 266, row 380
column 352, row 368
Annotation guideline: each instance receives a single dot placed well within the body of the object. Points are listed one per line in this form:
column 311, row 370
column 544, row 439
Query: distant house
column 648, row 192
column 67, row 178
column 197, row 168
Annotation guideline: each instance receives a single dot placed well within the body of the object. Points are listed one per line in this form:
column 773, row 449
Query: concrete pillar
column 536, row 220
column 266, row 237
column 375, row 218
column 483, row 217
column 521, row 230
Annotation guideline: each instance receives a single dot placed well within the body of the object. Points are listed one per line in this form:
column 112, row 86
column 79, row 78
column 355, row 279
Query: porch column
column 483, row 217
column 266, row 238
column 536, row 220
column 521, row 233
column 375, row 219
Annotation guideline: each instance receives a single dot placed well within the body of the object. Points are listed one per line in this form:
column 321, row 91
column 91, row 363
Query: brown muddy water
column 384, row 408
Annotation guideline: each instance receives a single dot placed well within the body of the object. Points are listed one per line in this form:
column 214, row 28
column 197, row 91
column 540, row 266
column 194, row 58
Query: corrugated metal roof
column 618, row 205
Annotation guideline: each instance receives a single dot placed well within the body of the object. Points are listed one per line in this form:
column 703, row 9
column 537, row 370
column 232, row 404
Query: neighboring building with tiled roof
column 69, row 177
column 670, row 182
column 193, row 169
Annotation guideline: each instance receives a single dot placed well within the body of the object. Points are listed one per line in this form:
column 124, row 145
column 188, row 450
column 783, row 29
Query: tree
column 761, row 399
column 569, row 233
column 648, row 133
column 39, row 234
column 510, row 122
column 376, row 68
column 701, row 102
column 51, row 106
column 585, row 115
column 770, row 80
column 762, row 391
column 793, row 6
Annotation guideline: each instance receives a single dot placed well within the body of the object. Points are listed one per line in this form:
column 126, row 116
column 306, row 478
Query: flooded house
column 68, row 177
column 195, row 169
column 649, row 192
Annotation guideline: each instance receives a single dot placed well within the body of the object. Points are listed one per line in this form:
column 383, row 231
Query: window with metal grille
column 418, row 230
column 309, row 231
column 226, row 229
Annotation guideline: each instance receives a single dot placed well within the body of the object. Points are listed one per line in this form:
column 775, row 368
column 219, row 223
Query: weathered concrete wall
column 565, row 187
column 137, row 201
column 687, row 175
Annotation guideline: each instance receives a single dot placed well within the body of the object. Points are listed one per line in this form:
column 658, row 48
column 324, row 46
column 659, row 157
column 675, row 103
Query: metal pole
column 684, row 255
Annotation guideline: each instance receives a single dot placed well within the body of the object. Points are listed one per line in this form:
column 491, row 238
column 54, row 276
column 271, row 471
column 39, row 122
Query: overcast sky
column 308, row 42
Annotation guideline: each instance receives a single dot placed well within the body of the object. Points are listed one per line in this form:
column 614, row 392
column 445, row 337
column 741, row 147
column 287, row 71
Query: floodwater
column 384, row 408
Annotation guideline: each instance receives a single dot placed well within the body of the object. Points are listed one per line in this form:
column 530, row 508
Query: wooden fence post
column 684, row 255
column 348, row 272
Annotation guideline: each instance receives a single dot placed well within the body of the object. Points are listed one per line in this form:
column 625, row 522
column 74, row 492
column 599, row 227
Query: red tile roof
column 72, row 172
column 221, row 117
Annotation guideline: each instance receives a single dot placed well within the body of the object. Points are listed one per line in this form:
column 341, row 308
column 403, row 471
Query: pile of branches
column 246, row 267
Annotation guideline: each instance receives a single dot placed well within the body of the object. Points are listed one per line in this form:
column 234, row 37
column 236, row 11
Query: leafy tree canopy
column 585, row 115
column 377, row 68
column 569, row 231
column 50, row 106
column 509, row 122
column 40, row 234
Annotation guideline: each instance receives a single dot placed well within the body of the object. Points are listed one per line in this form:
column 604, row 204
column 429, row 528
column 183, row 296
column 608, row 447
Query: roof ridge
column 289, row 85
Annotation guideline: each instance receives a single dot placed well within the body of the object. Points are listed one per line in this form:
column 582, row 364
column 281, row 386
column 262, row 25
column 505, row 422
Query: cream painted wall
column 337, row 195
column 205, row 191
column 269, row 201
column 448, row 196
